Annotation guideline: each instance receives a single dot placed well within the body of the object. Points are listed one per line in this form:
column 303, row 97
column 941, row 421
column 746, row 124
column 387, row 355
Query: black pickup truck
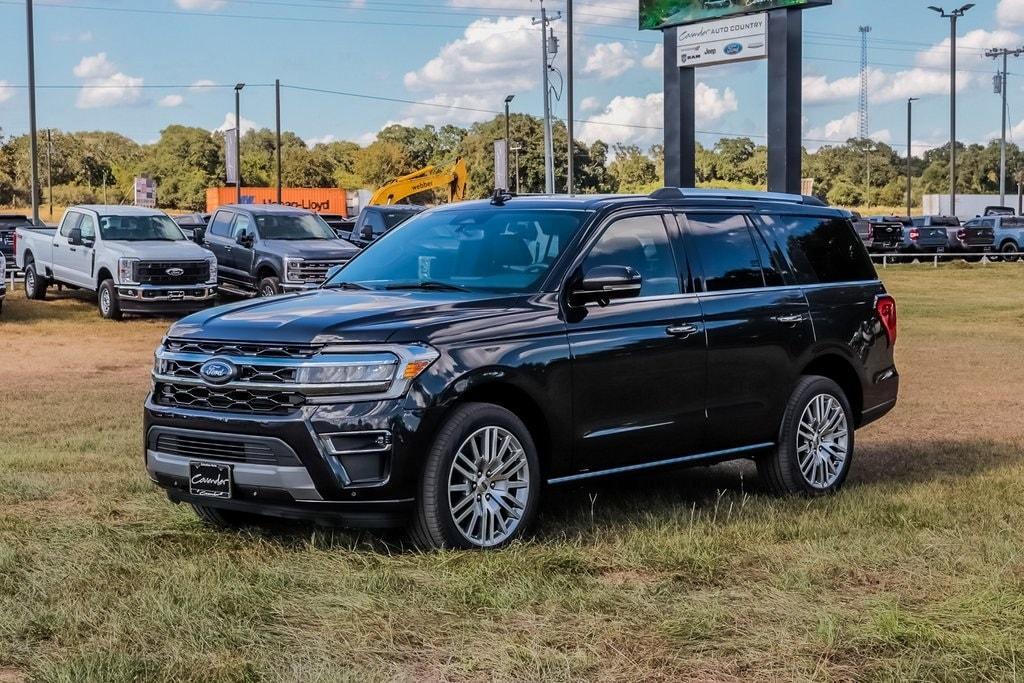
column 8, row 224
column 268, row 249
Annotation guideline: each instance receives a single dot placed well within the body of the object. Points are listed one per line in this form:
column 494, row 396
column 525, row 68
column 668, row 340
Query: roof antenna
column 500, row 197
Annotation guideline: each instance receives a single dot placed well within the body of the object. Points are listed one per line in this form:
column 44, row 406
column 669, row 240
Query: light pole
column 238, row 143
column 33, row 149
column 952, row 16
column 910, row 125
column 508, row 140
column 569, row 124
column 1001, row 90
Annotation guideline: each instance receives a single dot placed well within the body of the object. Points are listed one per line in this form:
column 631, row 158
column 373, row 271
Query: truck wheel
column 35, row 284
column 269, row 286
column 222, row 519
column 110, row 306
column 816, row 440
column 1010, row 252
column 481, row 481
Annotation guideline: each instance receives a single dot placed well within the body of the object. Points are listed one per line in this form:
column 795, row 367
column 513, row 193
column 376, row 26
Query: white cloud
column 229, row 124
column 322, row 140
column 1010, row 11
column 638, row 120
column 656, row 58
column 840, row 130
column 74, row 37
column 202, row 84
column 6, row 91
column 104, row 85
column 608, row 60
column 590, row 104
column 171, row 101
column 202, row 5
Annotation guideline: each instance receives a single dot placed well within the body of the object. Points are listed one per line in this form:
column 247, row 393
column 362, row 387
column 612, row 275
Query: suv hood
column 325, row 315
column 183, row 250
column 313, row 250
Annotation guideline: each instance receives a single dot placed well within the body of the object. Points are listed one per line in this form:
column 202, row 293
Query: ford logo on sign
column 175, row 272
column 733, row 49
column 218, row 371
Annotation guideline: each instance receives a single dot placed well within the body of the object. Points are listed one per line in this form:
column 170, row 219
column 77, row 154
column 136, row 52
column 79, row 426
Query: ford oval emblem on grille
column 175, row 272
column 217, row 371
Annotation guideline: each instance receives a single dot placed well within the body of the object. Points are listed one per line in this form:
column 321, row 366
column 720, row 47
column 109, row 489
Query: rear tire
column 1009, row 251
column 269, row 286
column 217, row 518
column 107, row 301
column 481, row 483
column 816, row 441
column 35, row 284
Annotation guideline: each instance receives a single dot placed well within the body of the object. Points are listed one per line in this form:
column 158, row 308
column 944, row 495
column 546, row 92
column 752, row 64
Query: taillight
column 915, row 234
column 961, row 235
column 885, row 306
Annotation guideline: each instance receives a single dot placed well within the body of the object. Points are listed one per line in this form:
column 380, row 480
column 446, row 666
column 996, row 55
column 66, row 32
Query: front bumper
column 353, row 463
column 164, row 298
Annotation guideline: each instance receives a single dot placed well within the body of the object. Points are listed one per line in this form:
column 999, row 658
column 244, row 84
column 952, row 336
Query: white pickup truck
column 136, row 260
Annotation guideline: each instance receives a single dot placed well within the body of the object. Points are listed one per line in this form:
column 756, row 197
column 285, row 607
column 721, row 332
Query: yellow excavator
column 429, row 178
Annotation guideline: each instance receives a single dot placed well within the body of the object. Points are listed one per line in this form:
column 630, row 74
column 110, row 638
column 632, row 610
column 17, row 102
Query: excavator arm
column 429, row 178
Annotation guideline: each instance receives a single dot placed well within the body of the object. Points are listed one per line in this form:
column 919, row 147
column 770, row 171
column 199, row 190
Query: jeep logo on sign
column 175, row 272
column 218, row 371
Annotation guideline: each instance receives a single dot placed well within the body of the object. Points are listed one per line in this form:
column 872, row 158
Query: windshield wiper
column 428, row 284
column 344, row 285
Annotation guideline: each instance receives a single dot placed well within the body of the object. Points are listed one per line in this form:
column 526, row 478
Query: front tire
column 269, row 286
column 108, row 302
column 35, row 284
column 816, row 441
column 481, row 482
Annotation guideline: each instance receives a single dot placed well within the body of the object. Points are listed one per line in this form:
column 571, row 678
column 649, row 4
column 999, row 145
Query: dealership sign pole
column 699, row 33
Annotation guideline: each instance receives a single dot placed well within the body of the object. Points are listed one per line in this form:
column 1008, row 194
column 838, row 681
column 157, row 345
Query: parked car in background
column 136, row 260
column 267, row 249
column 488, row 351
column 879, row 234
column 1007, row 233
column 341, row 225
column 190, row 221
column 374, row 221
column 8, row 224
column 960, row 239
column 999, row 211
column 920, row 240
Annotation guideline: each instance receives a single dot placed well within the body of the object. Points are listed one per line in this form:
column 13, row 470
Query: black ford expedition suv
column 470, row 361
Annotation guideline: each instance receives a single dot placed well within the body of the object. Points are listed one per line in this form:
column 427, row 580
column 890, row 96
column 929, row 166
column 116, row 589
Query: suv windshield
column 140, row 229
column 296, row 226
column 493, row 249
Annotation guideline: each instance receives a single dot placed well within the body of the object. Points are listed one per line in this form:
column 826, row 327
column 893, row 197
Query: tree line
column 100, row 166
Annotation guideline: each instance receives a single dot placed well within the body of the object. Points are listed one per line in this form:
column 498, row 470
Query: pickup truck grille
column 214, row 348
column 263, row 374
column 313, row 271
column 167, row 272
column 232, row 400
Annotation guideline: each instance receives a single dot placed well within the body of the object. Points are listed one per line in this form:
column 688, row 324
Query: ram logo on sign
column 721, row 42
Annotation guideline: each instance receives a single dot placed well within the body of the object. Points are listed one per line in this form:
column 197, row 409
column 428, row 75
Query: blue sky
column 149, row 55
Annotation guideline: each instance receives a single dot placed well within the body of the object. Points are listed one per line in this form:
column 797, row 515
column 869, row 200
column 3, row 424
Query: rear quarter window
column 821, row 249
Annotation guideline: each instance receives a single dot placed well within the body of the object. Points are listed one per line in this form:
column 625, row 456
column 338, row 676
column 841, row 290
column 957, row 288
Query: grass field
column 914, row 572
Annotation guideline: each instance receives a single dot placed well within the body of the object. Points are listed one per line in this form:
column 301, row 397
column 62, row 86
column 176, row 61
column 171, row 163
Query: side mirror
column 331, row 272
column 604, row 283
column 199, row 235
column 89, row 242
column 245, row 239
column 366, row 233
column 75, row 236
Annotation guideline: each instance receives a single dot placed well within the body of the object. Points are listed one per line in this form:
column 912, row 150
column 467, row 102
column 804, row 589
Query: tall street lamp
column 508, row 141
column 238, row 144
column 910, row 124
column 952, row 16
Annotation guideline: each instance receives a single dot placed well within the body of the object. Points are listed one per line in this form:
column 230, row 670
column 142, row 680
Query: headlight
column 292, row 270
column 126, row 271
column 213, row 269
column 375, row 369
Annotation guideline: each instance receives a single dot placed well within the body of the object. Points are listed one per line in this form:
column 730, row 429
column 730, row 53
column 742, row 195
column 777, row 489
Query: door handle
column 682, row 331
column 790, row 319
column 72, row 249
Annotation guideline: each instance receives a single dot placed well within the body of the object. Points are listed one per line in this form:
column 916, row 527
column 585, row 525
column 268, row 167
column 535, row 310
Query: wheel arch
column 103, row 275
column 266, row 269
column 841, row 371
column 1009, row 240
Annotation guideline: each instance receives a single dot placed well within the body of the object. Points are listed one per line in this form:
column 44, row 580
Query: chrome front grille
column 229, row 399
column 312, row 271
column 215, row 348
column 246, row 372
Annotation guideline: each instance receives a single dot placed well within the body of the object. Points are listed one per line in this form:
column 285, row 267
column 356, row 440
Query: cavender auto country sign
column 657, row 14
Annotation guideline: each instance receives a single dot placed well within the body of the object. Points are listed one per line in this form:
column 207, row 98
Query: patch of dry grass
column 914, row 572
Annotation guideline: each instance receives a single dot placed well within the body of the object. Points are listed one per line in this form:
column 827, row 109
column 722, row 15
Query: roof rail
column 700, row 193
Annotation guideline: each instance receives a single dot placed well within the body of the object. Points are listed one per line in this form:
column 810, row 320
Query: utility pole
column 549, row 46
column 238, row 144
column 570, row 128
column 1000, row 87
column 910, row 152
column 33, row 150
column 277, row 106
column 952, row 16
column 49, row 170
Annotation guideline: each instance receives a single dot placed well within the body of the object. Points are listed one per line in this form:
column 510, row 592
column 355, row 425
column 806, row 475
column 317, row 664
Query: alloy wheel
column 488, row 486
column 105, row 301
column 822, row 441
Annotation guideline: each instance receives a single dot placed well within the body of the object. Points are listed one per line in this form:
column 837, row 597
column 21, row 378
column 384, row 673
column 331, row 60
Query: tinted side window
column 822, row 250
column 221, row 224
column 242, row 224
column 727, row 252
column 71, row 221
column 642, row 243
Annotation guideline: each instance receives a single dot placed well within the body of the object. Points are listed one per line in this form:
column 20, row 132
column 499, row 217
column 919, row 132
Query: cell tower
column 862, row 129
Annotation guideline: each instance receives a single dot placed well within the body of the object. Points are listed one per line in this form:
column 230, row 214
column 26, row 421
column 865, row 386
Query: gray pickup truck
column 136, row 260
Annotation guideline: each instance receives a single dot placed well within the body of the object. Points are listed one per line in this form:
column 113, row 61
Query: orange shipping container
column 322, row 200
